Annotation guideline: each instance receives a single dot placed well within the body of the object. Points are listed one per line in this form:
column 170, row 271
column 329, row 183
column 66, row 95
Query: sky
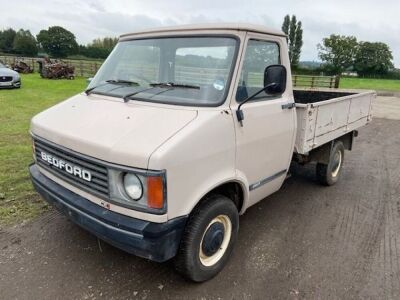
column 368, row 20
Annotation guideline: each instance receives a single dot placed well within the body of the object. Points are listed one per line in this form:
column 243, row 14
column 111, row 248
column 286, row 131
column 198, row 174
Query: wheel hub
column 213, row 239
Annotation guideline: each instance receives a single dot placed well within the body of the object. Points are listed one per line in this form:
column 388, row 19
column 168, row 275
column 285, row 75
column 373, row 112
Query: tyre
column 329, row 174
column 208, row 239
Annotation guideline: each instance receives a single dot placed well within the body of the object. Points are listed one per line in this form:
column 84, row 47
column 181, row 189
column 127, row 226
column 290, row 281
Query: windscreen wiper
column 113, row 81
column 127, row 96
column 122, row 81
column 168, row 85
column 172, row 84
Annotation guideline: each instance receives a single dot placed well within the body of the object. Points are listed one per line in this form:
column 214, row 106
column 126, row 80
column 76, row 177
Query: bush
column 93, row 52
column 308, row 71
column 393, row 74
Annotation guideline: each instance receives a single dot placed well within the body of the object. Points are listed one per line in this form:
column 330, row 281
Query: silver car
column 9, row 78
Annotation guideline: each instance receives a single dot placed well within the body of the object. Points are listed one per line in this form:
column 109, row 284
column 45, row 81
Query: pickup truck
column 181, row 130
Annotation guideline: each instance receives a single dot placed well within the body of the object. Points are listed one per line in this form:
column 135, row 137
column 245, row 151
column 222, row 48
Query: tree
column 93, row 52
column 7, row 39
column 286, row 25
column 373, row 59
column 294, row 31
column 107, row 43
column 25, row 43
column 338, row 52
column 57, row 41
column 99, row 48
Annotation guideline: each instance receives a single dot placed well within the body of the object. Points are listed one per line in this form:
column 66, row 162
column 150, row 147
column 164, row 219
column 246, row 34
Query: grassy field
column 18, row 200
column 373, row 84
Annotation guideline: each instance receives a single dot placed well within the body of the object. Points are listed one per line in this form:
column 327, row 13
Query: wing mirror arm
column 274, row 84
column 239, row 112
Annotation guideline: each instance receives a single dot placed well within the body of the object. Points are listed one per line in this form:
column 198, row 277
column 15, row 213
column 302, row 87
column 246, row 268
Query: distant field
column 18, row 201
column 373, row 84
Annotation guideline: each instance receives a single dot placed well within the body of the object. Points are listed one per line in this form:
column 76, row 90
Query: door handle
column 288, row 105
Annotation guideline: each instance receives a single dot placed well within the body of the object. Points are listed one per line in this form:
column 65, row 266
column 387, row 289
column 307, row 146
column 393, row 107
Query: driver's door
column 266, row 139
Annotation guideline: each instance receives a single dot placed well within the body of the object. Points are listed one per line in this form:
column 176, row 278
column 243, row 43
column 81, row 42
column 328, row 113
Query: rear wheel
column 208, row 239
column 329, row 174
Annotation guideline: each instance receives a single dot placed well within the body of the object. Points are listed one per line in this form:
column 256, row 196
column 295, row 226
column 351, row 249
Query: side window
column 258, row 56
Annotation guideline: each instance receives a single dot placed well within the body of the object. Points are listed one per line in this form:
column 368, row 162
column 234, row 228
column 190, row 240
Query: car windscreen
column 191, row 71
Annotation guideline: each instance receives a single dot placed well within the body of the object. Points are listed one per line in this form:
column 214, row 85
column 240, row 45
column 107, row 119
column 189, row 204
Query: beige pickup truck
column 180, row 131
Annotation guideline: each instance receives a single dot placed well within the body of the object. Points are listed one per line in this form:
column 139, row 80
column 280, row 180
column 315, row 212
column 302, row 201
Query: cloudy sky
column 368, row 20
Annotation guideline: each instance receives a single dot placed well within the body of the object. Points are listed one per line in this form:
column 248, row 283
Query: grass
column 18, row 201
column 373, row 84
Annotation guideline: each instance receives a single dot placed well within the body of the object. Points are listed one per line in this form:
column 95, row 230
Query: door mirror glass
column 275, row 79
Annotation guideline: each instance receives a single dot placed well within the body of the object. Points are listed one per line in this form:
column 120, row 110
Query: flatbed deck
column 325, row 114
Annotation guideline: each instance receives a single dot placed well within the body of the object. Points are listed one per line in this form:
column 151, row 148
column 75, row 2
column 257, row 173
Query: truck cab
column 180, row 131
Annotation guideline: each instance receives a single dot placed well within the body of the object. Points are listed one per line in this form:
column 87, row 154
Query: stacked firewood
column 55, row 69
column 21, row 67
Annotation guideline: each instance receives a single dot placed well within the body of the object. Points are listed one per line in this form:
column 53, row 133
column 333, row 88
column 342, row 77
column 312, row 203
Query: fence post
column 312, row 81
column 337, row 81
column 81, row 68
column 95, row 68
column 295, row 80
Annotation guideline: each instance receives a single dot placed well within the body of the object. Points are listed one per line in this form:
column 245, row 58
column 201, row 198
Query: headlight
column 133, row 186
column 142, row 190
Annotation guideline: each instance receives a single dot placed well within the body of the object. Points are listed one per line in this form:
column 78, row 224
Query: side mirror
column 274, row 84
column 275, row 79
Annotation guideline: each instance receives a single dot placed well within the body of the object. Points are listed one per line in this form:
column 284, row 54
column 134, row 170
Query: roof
column 210, row 26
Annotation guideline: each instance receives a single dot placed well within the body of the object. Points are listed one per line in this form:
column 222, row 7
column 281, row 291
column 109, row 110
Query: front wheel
column 328, row 174
column 208, row 239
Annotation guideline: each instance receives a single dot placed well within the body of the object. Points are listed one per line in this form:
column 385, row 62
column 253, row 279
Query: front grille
column 5, row 78
column 98, row 184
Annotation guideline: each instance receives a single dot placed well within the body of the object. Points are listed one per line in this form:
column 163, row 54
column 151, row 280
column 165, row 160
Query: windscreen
column 174, row 70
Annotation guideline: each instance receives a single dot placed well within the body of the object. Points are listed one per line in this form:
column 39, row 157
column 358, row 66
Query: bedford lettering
column 63, row 165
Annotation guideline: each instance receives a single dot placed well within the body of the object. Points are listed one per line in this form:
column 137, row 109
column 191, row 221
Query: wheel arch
column 233, row 189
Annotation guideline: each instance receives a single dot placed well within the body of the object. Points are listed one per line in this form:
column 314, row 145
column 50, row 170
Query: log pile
column 21, row 67
column 55, row 69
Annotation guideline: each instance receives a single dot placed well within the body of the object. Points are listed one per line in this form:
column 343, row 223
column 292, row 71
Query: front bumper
column 15, row 83
column 154, row 241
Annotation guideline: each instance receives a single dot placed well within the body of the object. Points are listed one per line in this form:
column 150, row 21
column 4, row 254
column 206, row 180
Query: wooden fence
column 84, row 68
column 316, row 81
column 87, row 68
